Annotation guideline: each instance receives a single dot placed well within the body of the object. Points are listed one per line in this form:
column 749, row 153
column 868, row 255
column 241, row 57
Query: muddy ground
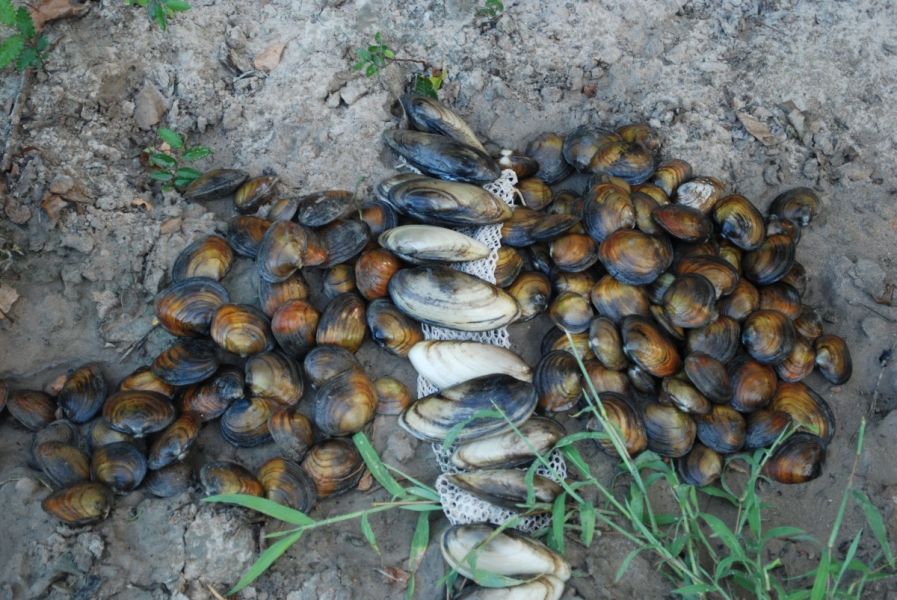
column 820, row 76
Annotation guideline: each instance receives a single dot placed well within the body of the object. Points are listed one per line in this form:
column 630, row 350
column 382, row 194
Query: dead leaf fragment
column 76, row 195
column 141, row 203
column 52, row 205
column 170, row 225
column 18, row 213
column 50, row 10
column 396, row 574
column 270, row 58
column 757, row 129
column 8, row 296
column 54, row 387
column 366, row 482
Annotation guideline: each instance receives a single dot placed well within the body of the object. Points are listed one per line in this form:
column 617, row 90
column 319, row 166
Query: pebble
column 61, row 184
column 149, row 106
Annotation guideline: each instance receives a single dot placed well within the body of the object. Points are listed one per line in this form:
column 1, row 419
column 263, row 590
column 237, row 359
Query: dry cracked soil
column 86, row 238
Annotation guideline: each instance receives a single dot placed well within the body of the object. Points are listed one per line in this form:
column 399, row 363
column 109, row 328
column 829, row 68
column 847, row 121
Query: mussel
column 287, row 484
column 671, row 432
column 547, row 150
column 690, row 301
column 635, row 258
column 801, row 205
column 282, row 251
column 292, row 432
column 294, row 326
column 343, row 322
column 121, row 466
column 432, row 116
column 225, row 477
column 274, row 295
column 455, row 204
column 701, row 466
column 558, row 381
column 215, row 184
column 446, row 363
column 83, row 393
column 209, row 257
column 334, row 466
column 808, row 409
column 723, row 429
column 138, row 413
column 175, row 442
column 532, row 291
column 322, row 208
column 62, row 463
column 443, row 156
column 245, row 422
column 345, row 404
column 176, row 478
column 254, row 192
column 768, row 336
column 628, row 421
column 242, row 329
column 833, row 359
column 647, row 346
column 507, row 449
column 394, row 331
column 507, row 488
column 276, row 376
column 245, row 233
column 33, row 409
column 323, row 363
column 186, row 308
column 80, row 504
column 799, row 459
column 393, row 396
column 188, row 361
column 212, row 397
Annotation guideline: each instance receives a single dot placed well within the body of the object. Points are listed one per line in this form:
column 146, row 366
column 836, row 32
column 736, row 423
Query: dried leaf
column 50, row 10
column 8, row 296
column 52, row 205
column 757, row 129
column 366, row 482
column 18, row 213
column 76, row 195
column 396, row 574
column 270, row 58
column 590, row 90
column 215, row 592
column 54, row 387
column 141, row 203
column 170, row 225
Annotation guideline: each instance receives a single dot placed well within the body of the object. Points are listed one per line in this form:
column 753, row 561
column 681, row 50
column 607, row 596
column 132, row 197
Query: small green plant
column 429, row 86
column 165, row 163
column 25, row 47
column 377, row 56
column 492, row 9
column 161, row 10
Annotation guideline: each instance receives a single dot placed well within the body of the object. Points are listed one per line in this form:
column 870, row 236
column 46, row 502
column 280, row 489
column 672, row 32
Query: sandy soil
column 819, row 75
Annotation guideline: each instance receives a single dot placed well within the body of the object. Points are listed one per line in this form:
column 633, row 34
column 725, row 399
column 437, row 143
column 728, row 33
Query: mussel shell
column 295, row 326
column 720, row 273
column 507, row 488
column 209, row 257
column 781, row 297
column 342, row 323
column 535, row 194
column 215, row 184
column 642, row 133
column 443, row 157
column 743, row 301
column 320, row 208
column 580, row 282
column 83, row 393
column 740, row 222
column 764, row 427
column 175, row 442
column 242, row 329
column 655, row 192
column 582, row 143
column 648, row 347
column 287, row 484
column 275, row 376
column 619, row 412
column 607, row 209
column 807, row 408
column 643, row 206
column 720, row 339
column 33, row 409
column 245, row 422
column 292, row 432
column 799, row 459
column 641, row 379
column 323, row 363
column 768, row 336
column 690, row 301
column 273, row 295
column 567, row 202
column 671, row 432
column 167, row 482
column 574, row 252
column 553, row 225
column 99, row 433
column 547, row 150
column 558, row 381
column 212, row 397
column 121, row 466
column 555, row 339
column 334, row 466
column 432, row 417
column 391, row 328
column 808, row 323
column 450, row 362
column 432, row 116
column 684, row 396
column 186, row 362
column 753, row 384
column 382, row 188
column 522, row 165
column 616, row 300
column 635, row 258
column 771, row 261
column 507, row 449
column 224, row 477
column 60, row 430
column 599, row 379
column 629, row 161
column 62, row 463
column 674, row 331
column 571, row 312
column 671, row 174
column 701, row 466
column 709, row 376
column 254, row 192
column 138, row 413
column 701, row 193
column 379, row 216
column 283, row 209
column 796, row 277
column 833, row 359
column 449, row 203
column 607, row 344
column 732, row 254
column 80, row 504
column 444, row 297
column 345, row 404
column 281, row 251
column 508, row 265
column 801, row 205
column 245, row 234
column 799, row 363
column 532, row 290
column 187, row 307
column 338, row 279
column 343, row 241
column 393, row 396
column 424, row 243
column 683, row 222
column 723, row 429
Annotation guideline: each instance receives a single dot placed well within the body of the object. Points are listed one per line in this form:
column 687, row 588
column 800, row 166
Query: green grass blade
column 422, row 493
column 416, row 482
column 369, row 533
column 777, row 532
column 264, row 561
column 493, row 580
column 697, row 588
column 873, row 517
column 572, row 454
column 625, row 565
column 822, row 575
column 587, row 520
column 420, row 507
column 557, row 523
column 419, row 542
column 851, row 552
column 375, row 465
column 723, row 533
column 264, row 506
column 455, row 431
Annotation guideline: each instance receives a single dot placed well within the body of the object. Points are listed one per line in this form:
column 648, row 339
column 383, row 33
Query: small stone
column 233, row 117
column 333, row 100
column 355, row 90
column 399, row 447
column 149, row 106
column 81, row 243
column 170, row 225
column 27, row 487
column 854, row 171
column 810, row 169
column 61, row 184
column 18, row 213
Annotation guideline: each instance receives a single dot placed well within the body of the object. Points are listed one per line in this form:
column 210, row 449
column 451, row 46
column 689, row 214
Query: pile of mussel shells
column 683, row 301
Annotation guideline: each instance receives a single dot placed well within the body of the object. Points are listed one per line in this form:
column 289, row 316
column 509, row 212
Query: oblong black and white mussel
column 443, row 157
column 506, row 488
column 421, row 244
column 448, row 203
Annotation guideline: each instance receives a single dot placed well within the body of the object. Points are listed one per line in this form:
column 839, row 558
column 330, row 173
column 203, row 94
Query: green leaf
column 455, row 431
column 587, row 520
column 265, row 560
column 723, row 533
column 172, row 138
column 557, row 524
column 424, row 87
column 24, row 23
column 421, row 507
column 422, row 493
column 176, row 5
column 156, row 13
column 167, row 188
column 359, row 65
column 419, row 542
column 375, row 465
column 27, row 58
column 492, row 580
column 575, row 458
column 195, row 153
column 161, row 176
column 822, row 575
column 625, row 565
column 782, row 532
column 369, row 533
column 264, row 506
column 7, row 13
column 42, row 43
column 848, row 558
column 697, row 588
column 10, row 49
column 377, row 38
column 363, row 54
column 388, row 53
column 371, row 70
column 162, row 160
column 718, row 493
column 873, row 517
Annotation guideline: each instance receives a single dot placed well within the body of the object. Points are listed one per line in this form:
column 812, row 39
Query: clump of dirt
column 763, row 95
